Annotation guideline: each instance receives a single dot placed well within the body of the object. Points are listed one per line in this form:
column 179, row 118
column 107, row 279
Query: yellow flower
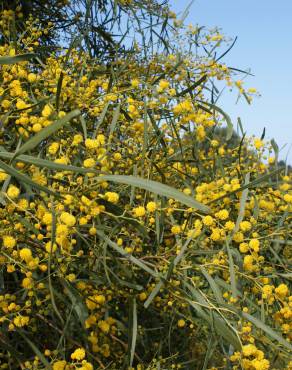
column 117, row 156
column 112, row 197
column 3, row 176
column 176, row 229
column 104, row 326
column 222, row 215
column 288, row 198
column 5, row 104
column 82, row 221
column 249, row 350
column 282, row 291
column 90, row 162
column 27, row 283
column 142, row 296
column 78, row 354
column 254, row 244
column 21, row 321
column 99, row 298
column 243, row 247
column 68, row 219
column 59, row 365
column 208, row 220
column 53, row 148
column 248, row 263
column 139, row 211
column 163, row 85
column 229, row 225
column 216, row 235
column 181, row 323
column 51, row 248
column 258, row 143
column 91, row 143
column 47, row 218
column 135, row 82
column 31, row 77
column 47, row 111
column 25, row 254
column 20, row 104
column 77, row 139
column 151, row 206
column 238, row 237
column 9, row 241
column 245, row 226
column 13, row 192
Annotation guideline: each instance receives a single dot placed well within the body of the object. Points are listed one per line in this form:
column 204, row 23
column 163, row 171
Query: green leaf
column 101, row 119
column 229, row 131
column 221, row 325
column 156, row 188
column 17, row 58
column 215, row 288
column 193, row 86
column 131, row 258
column 251, row 184
column 243, row 200
column 25, row 179
column 134, row 327
column 77, row 302
column 267, row 329
column 36, row 350
column 46, row 132
column 173, row 264
column 59, row 88
column 114, row 122
column 238, row 221
column 44, row 163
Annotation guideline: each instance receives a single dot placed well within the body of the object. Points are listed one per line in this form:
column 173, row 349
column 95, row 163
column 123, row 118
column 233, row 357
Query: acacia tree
column 137, row 229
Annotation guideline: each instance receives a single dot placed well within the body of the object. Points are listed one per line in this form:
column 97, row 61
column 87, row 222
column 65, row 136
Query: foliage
column 138, row 231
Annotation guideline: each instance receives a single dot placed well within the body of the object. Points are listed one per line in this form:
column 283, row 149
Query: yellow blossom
column 139, row 211
column 78, row 354
column 68, row 219
column 13, row 192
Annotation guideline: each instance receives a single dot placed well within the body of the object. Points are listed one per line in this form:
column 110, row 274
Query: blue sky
column 264, row 31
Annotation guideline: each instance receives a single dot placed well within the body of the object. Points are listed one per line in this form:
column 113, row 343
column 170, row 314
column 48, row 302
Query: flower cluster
column 134, row 225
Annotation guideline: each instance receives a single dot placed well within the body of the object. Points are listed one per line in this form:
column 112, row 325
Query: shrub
column 137, row 229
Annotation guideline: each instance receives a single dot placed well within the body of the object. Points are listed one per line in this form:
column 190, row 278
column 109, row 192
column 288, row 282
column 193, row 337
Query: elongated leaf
column 114, row 122
column 222, row 327
column 251, row 184
column 122, row 252
column 36, row 350
column 77, row 302
column 215, row 288
column 154, row 293
column 276, row 150
column 101, row 119
column 59, row 88
column 268, row 330
column 44, row 163
column 193, row 86
column 243, row 200
column 156, row 188
column 46, row 132
column 226, row 117
column 16, row 58
column 134, row 328
column 231, row 270
column 25, row 179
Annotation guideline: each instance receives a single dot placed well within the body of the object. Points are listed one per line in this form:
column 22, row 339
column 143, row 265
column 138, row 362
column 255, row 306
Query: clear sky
column 264, row 31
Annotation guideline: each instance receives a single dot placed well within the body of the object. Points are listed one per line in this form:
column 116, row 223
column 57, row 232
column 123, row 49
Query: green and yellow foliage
column 137, row 231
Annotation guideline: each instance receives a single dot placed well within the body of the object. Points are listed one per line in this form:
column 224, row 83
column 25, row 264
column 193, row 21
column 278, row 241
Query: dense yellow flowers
column 154, row 270
column 78, row 354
